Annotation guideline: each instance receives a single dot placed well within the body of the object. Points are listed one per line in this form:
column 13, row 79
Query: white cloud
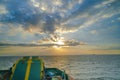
column 109, row 15
column 93, row 32
column 118, row 18
column 106, row 2
column 3, row 9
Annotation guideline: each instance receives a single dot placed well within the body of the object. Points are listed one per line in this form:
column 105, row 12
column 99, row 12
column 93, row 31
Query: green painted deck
column 31, row 69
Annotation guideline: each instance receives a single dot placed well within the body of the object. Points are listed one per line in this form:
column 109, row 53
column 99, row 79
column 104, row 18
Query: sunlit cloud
column 46, row 43
column 104, row 3
column 60, row 42
column 44, row 23
column 39, row 17
column 3, row 9
column 93, row 32
column 53, row 17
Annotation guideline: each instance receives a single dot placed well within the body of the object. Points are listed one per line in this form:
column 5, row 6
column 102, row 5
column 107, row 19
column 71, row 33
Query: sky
column 59, row 27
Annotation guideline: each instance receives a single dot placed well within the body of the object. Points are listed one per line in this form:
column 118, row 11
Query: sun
column 56, row 47
column 60, row 42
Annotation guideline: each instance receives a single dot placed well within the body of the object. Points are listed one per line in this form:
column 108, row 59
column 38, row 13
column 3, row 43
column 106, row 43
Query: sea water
column 82, row 67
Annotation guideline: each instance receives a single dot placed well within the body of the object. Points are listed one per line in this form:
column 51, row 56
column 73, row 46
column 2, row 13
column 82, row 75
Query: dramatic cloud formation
column 56, row 16
column 49, row 20
column 38, row 16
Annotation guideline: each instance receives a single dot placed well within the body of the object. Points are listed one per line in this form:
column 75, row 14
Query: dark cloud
column 65, row 42
column 46, row 42
column 34, row 45
column 74, row 43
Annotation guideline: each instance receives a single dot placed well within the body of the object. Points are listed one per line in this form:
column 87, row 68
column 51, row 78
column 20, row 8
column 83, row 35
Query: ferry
column 32, row 68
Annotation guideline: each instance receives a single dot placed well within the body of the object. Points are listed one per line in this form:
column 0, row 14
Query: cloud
column 104, row 3
column 55, row 17
column 93, row 32
column 38, row 16
column 60, row 41
column 3, row 9
column 74, row 43
column 46, row 42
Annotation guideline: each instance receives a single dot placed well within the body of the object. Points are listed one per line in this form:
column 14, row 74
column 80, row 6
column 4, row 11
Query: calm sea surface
column 83, row 67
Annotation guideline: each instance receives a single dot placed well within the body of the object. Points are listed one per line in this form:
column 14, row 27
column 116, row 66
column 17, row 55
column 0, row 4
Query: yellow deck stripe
column 42, row 67
column 13, row 69
column 28, row 69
